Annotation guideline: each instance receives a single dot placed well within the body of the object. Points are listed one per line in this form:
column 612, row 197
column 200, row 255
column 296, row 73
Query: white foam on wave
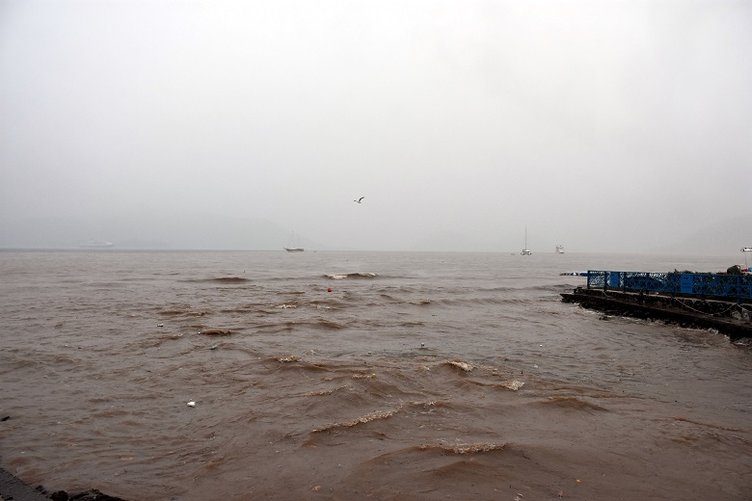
column 343, row 276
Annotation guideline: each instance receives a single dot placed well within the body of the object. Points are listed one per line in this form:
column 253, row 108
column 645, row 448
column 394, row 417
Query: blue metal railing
column 714, row 285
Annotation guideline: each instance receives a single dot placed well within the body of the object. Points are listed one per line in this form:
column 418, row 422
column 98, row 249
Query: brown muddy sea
column 335, row 375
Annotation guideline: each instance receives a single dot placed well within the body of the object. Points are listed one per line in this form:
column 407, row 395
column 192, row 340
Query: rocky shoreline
column 13, row 489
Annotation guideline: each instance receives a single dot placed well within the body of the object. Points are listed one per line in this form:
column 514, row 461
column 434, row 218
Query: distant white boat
column 560, row 249
column 96, row 244
column 525, row 250
column 293, row 244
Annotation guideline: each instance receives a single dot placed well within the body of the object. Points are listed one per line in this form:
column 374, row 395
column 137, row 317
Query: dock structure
column 721, row 301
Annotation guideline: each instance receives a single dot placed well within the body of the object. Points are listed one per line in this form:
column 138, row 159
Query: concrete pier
column 733, row 318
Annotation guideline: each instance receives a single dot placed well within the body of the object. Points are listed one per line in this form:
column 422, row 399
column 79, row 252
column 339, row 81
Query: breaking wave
column 185, row 311
column 571, row 403
column 371, row 416
column 215, row 332
column 459, row 364
column 220, row 280
column 461, row 449
column 345, row 276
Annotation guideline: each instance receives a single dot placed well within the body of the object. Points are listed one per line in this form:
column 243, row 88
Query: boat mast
column 525, row 250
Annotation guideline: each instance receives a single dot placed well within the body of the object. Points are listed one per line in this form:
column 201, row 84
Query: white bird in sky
column 359, row 200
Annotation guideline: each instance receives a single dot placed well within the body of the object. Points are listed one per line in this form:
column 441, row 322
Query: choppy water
column 356, row 375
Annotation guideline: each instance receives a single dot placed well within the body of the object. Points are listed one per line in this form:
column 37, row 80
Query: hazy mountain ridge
column 723, row 238
column 215, row 232
column 196, row 231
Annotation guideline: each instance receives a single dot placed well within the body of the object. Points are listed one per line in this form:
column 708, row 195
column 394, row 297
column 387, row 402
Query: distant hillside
column 724, row 238
column 196, row 231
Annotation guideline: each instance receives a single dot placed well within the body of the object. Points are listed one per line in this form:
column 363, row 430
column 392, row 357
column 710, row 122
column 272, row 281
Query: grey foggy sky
column 604, row 125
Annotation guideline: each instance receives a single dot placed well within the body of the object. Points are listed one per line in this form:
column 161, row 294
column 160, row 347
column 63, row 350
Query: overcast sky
column 598, row 124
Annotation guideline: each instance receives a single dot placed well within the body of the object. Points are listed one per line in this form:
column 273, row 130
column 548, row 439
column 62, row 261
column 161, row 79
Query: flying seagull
column 359, row 200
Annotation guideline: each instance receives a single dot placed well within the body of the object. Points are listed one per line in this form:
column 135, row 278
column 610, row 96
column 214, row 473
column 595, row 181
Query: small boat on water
column 525, row 251
column 560, row 249
column 294, row 243
column 96, row 244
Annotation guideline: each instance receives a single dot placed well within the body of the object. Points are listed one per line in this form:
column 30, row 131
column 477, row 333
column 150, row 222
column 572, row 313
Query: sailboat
column 560, row 249
column 525, row 250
